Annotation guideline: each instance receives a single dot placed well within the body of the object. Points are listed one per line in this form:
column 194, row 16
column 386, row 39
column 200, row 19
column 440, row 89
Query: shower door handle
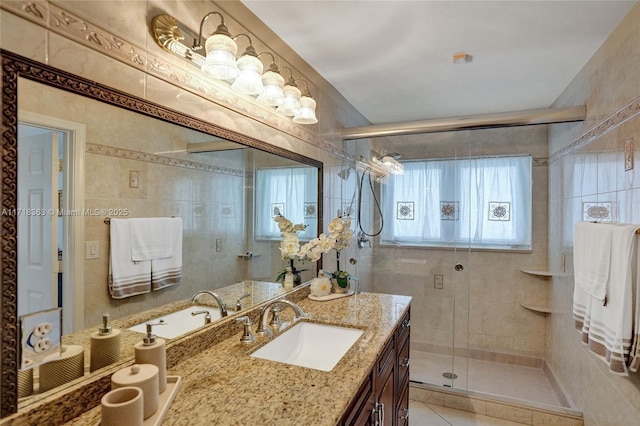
column 458, row 267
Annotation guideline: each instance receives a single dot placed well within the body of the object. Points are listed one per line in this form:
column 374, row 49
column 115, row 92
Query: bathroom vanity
column 223, row 384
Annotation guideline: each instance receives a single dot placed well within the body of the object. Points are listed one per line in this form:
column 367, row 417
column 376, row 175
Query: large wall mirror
column 102, row 154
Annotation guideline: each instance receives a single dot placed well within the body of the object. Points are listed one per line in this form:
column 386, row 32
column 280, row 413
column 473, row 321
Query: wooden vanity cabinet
column 383, row 399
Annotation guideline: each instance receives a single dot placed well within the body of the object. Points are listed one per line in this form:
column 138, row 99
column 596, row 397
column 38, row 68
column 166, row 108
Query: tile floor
column 513, row 381
column 421, row 414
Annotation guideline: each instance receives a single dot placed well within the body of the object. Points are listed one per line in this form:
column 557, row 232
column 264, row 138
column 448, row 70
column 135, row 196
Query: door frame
column 72, row 200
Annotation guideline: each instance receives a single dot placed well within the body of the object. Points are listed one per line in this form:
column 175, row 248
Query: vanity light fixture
column 307, row 112
column 221, row 51
column 292, row 95
column 218, row 59
column 273, row 83
column 249, row 81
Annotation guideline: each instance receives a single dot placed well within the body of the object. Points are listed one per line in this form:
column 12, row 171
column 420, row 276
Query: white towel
column 126, row 277
column 151, row 238
column 634, row 362
column 167, row 271
column 592, row 257
column 608, row 329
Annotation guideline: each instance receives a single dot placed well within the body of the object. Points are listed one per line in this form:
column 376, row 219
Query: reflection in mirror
column 98, row 161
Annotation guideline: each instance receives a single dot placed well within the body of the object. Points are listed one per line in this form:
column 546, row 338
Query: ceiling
column 393, row 60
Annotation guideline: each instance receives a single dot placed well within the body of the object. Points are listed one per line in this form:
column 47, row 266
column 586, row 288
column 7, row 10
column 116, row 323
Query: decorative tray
column 166, row 398
column 331, row 296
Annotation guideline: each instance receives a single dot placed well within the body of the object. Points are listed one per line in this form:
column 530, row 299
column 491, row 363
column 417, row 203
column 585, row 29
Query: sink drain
column 450, row 376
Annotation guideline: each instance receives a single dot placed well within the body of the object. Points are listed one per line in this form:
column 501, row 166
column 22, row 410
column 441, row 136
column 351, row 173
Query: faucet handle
column 207, row 316
column 239, row 301
column 275, row 317
column 247, row 335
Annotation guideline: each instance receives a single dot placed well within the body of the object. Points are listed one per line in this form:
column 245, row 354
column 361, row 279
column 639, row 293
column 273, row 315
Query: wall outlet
column 438, row 281
column 218, row 244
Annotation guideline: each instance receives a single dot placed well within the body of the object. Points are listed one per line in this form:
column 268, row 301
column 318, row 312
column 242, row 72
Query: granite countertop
column 224, row 385
column 254, row 292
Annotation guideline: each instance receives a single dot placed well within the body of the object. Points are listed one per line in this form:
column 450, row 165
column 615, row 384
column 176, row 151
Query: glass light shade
column 291, row 104
column 307, row 113
column 221, row 57
column 249, row 81
column 393, row 166
column 273, row 94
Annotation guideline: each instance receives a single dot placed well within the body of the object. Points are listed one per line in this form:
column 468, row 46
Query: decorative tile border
column 72, row 27
column 158, row 159
column 624, row 114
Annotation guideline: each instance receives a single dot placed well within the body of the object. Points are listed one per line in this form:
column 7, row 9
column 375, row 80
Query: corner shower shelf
column 541, row 309
column 546, row 274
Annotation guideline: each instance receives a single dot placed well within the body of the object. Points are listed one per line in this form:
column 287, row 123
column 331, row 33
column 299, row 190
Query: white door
column 37, row 227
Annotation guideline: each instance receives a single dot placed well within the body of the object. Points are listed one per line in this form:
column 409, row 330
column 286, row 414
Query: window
column 484, row 202
column 291, row 192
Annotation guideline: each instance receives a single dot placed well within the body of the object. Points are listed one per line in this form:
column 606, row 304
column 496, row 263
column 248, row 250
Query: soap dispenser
column 152, row 350
column 105, row 345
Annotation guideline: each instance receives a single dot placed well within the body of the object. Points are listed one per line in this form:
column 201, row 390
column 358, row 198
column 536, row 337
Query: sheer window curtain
column 293, row 189
column 484, row 201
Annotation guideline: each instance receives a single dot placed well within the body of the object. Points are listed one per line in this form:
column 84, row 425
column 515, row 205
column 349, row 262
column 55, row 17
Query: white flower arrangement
column 339, row 238
column 290, row 244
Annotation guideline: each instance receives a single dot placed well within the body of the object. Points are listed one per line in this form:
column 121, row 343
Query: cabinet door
column 402, row 411
column 361, row 409
column 386, row 400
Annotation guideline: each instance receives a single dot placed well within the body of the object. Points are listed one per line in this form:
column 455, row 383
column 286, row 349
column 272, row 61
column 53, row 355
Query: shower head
column 389, row 161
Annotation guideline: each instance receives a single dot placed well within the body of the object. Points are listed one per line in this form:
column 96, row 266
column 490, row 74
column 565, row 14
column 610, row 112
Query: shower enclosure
column 469, row 330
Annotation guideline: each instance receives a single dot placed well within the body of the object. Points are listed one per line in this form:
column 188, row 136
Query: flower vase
column 340, row 285
column 297, row 274
column 288, row 280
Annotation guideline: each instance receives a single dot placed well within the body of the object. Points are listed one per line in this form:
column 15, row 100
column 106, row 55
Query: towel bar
column 107, row 221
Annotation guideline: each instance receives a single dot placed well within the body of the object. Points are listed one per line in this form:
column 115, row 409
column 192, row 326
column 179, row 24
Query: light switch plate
column 134, row 178
column 92, row 250
column 438, row 281
column 628, row 154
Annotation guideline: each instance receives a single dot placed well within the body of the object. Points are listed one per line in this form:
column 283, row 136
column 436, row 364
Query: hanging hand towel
column 151, row 238
column 610, row 327
column 592, row 257
column 167, row 271
column 126, row 277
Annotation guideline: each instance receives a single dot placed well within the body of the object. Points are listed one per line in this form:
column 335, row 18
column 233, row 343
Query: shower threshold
column 492, row 405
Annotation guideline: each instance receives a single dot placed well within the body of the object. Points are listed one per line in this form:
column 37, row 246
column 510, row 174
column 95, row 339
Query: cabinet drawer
column 403, row 364
column 386, row 358
column 404, row 327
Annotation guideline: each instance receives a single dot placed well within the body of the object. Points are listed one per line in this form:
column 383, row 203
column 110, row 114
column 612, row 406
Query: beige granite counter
column 255, row 292
column 224, row 385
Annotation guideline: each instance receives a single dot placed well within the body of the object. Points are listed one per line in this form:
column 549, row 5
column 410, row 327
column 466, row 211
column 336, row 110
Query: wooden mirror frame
column 13, row 67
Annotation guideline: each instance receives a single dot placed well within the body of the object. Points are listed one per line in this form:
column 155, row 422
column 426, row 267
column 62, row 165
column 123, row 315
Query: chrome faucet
column 263, row 328
column 221, row 304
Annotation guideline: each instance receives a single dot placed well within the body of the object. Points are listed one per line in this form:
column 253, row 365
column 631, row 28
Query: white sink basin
column 179, row 322
column 310, row 345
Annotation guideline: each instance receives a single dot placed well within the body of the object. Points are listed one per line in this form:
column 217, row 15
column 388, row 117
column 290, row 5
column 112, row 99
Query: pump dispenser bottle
column 105, row 345
column 152, row 350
